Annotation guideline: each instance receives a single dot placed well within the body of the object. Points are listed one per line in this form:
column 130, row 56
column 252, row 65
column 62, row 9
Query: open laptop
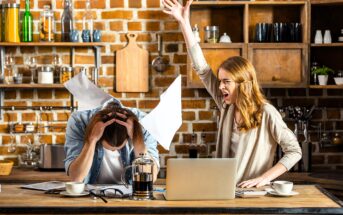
column 201, row 179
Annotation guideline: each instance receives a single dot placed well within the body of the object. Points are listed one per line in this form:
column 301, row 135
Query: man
column 101, row 142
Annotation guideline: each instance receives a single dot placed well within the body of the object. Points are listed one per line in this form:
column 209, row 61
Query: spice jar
column 46, row 27
column 29, row 128
column 211, row 34
column 11, row 28
column 66, row 74
column 46, row 75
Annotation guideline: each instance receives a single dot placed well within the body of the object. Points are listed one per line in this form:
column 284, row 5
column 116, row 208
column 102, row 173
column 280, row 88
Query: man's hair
column 115, row 134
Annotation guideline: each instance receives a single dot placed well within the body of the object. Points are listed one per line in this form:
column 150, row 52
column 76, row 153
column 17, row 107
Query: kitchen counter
column 26, row 175
column 311, row 199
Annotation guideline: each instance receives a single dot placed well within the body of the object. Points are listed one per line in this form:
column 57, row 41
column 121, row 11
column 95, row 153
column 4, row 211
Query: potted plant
column 322, row 73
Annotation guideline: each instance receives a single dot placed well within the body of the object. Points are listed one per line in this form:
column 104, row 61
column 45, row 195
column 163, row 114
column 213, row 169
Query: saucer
column 274, row 193
column 65, row 193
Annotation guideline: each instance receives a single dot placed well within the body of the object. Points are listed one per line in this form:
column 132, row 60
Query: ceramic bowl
column 338, row 80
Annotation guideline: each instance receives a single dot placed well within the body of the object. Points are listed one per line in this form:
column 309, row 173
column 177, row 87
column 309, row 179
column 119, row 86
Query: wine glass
column 9, row 64
column 31, row 62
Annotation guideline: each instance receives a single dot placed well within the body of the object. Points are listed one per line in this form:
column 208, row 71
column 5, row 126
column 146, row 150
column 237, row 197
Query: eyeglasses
column 109, row 193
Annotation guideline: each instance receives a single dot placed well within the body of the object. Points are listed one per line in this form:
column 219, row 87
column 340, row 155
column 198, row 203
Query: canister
column 66, row 74
column 46, row 75
column 11, row 21
column 211, row 34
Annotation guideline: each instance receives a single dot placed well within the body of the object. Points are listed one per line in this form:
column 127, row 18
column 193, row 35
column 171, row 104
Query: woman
column 100, row 143
column 250, row 128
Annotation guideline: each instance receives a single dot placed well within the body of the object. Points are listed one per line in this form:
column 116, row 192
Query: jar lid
column 67, row 69
column 11, row 5
column 46, row 69
column 211, row 28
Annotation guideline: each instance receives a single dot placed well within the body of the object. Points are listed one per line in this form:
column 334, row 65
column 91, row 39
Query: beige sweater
column 256, row 148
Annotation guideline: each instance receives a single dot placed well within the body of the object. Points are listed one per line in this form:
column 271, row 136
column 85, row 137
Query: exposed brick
column 204, row 126
column 188, row 115
column 188, row 93
column 129, row 103
column 116, row 3
column 161, row 150
column 172, row 48
column 153, row 93
column 62, row 94
column 29, row 117
column 135, row 4
column 47, row 103
column 318, row 159
column 317, row 114
column 60, row 139
column 193, row 104
column 203, row 93
column 180, row 58
column 44, row 94
column 15, row 103
column 58, row 127
column 296, row 92
column 163, row 81
column 9, row 117
column 152, row 3
column 330, row 103
column 118, row 14
column 173, row 37
column 159, row 15
column 10, row 94
column 46, row 139
column 19, row 150
column 148, row 104
column 63, row 116
column 183, row 128
column 333, row 113
column 45, row 116
column 335, row 159
column 152, row 26
column 134, row 26
column 105, row 82
column 298, row 102
column 205, row 115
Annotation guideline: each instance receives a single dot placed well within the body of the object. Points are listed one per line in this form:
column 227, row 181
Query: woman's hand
column 255, row 182
column 174, row 8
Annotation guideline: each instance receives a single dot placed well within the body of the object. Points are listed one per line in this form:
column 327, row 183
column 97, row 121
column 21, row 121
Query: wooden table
column 311, row 200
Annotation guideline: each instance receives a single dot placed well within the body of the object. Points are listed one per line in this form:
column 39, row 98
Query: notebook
column 201, row 179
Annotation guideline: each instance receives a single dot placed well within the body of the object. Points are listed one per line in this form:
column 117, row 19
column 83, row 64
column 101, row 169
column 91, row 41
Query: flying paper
column 163, row 121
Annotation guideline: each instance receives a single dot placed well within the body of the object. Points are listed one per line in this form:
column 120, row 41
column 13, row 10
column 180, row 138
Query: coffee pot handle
column 123, row 178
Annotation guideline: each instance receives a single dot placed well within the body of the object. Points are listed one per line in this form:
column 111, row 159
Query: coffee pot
column 142, row 170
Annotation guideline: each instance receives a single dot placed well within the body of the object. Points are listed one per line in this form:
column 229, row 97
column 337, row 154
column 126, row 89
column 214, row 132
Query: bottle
column 67, row 21
column 196, row 33
column 87, row 20
column 27, row 24
column 340, row 38
column 318, row 38
column 46, row 27
column 327, row 36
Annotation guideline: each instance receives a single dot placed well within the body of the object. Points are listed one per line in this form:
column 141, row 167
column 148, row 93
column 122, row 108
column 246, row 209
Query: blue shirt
column 75, row 134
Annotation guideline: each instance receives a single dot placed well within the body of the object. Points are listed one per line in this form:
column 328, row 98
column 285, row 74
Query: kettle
column 142, row 170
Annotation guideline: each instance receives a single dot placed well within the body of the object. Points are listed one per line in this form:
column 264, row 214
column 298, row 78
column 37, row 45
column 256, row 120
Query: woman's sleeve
column 285, row 138
column 205, row 73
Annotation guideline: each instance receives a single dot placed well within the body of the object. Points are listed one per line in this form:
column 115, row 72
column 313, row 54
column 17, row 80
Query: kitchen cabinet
column 96, row 46
column 277, row 64
column 327, row 15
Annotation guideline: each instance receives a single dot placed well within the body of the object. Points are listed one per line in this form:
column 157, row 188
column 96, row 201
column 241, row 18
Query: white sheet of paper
column 163, row 121
column 87, row 94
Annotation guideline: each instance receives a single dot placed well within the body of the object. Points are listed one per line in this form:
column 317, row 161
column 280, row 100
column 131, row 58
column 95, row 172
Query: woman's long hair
column 115, row 134
column 250, row 99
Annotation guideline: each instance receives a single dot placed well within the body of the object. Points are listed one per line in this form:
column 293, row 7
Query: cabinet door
column 214, row 54
column 279, row 65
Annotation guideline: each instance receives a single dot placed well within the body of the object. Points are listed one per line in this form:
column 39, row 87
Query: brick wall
column 115, row 18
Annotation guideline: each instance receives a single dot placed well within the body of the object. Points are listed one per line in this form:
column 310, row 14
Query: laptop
column 201, row 179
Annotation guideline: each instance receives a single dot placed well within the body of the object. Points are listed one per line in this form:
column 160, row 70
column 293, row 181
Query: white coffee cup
column 74, row 187
column 282, row 187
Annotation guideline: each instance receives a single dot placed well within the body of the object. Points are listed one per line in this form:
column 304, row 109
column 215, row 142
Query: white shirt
column 111, row 168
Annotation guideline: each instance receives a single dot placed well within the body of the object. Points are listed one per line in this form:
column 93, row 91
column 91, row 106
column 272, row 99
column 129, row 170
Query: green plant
column 324, row 70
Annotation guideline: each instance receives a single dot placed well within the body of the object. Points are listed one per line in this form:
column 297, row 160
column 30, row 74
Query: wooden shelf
column 278, row 45
column 328, row 45
column 32, row 86
column 52, row 44
column 233, row 3
column 326, row 86
column 328, row 2
column 221, row 45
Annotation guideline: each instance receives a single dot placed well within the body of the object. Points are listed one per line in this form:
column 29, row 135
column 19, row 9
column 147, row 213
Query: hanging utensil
column 159, row 63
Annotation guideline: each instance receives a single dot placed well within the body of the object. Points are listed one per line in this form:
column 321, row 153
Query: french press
column 142, row 177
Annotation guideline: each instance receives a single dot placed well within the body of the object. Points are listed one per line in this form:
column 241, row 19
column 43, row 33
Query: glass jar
column 66, row 74
column 211, row 34
column 46, row 75
column 11, row 28
column 46, row 27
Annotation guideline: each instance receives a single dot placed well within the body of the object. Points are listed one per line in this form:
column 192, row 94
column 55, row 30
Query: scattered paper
column 163, row 121
column 87, row 94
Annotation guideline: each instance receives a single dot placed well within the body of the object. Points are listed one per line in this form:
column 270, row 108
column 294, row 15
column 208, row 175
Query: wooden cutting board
column 132, row 69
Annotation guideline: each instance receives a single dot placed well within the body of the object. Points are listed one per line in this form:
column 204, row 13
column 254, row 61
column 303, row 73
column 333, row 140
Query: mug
column 86, row 36
column 97, row 36
column 74, row 36
column 75, row 187
column 282, row 187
